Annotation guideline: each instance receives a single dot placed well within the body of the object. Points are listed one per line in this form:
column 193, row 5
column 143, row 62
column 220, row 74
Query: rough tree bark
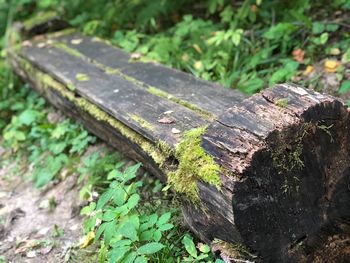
column 264, row 178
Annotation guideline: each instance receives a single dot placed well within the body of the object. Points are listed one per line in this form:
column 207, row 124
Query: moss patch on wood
column 153, row 90
column 160, row 93
column 70, row 51
column 282, row 102
column 39, row 19
column 145, row 124
column 194, row 164
column 286, row 155
column 45, row 81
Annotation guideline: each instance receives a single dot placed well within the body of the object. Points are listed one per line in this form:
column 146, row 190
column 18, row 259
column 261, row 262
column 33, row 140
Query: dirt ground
column 37, row 225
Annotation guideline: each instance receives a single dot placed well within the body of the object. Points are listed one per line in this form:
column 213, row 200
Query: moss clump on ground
column 194, row 164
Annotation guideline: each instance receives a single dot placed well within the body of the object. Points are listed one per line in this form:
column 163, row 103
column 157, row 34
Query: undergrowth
column 128, row 218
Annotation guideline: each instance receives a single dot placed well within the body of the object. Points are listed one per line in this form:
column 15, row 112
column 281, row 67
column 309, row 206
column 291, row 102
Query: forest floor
column 37, row 225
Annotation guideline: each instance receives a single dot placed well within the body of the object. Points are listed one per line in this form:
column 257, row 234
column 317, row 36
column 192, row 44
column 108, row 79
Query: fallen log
column 265, row 178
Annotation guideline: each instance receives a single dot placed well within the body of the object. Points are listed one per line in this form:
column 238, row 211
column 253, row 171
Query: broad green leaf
column 104, row 198
column 157, row 235
column 189, row 246
column 164, row 218
column 130, row 257
column 108, row 215
column 166, row 227
column 116, row 254
column 147, row 235
column 122, row 243
column 318, row 28
column 149, row 248
column 204, row 248
column 27, row 117
column 281, row 30
column 140, row 259
column 128, row 230
column 345, row 87
column 133, row 201
column 109, row 232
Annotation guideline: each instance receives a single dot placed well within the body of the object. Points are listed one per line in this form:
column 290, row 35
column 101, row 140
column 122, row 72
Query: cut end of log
column 291, row 164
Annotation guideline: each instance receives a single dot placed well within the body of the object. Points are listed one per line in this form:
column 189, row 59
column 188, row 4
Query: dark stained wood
column 284, row 153
column 179, row 84
column 117, row 96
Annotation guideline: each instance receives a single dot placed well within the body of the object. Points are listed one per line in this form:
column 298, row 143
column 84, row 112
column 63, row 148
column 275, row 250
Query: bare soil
column 37, row 225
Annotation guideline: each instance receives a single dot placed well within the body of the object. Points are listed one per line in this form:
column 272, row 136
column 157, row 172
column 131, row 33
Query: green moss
column 39, row 19
column 286, row 156
column 194, row 165
column 155, row 91
column 160, row 93
column 67, row 49
column 235, row 251
column 111, row 71
column 45, row 81
column 61, row 33
column 283, row 102
column 145, row 124
column 71, row 86
column 82, row 77
column 166, row 149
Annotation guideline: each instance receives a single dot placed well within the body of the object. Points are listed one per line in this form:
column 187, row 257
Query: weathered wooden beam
column 268, row 174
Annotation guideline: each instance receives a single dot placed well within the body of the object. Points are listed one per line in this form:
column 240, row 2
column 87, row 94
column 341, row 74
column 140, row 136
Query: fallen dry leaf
column 135, row 56
column 175, row 131
column 46, row 250
column 166, row 120
column 298, row 55
column 26, row 245
column 31, row 254
column 87, row 239
column 198, row 65
column 335, row 51
column 331, row 65
column 308, row 70
column 41, row 45
column 76, row 41
column 27, row 43
column 254, row 8
column 185, row 57
column 197, row 48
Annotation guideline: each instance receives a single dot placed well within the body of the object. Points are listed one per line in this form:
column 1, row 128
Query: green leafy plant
column 201, row 253
column 50, row 146
column 128, row 234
